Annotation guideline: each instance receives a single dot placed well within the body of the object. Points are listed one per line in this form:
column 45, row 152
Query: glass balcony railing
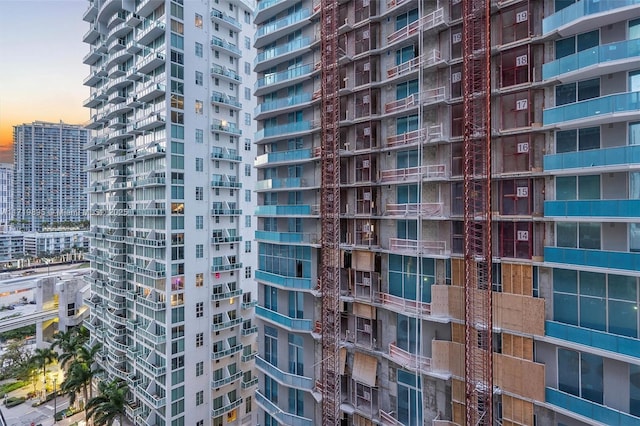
column 593, row 208
column 291, row 380
column 283, row 156
column 282, row 23
column 282, row 50
column 594, row 258
column 268, row 3
column 284, row 281
column 593, row 158
column 283, row 76
column 283, row 103
column 287, row 237
column 282, row 210
column 593, row 338
column 597, row 55
column 282, row 416
column 582, row 9
column 298, row 324
column 597, row 107
column 588, row 409
column 281, row 183
column 283, row 129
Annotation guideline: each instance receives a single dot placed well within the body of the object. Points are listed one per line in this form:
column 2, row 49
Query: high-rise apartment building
column 170, row 191
column 48, row 174
column 565, row 122
column 6, row 194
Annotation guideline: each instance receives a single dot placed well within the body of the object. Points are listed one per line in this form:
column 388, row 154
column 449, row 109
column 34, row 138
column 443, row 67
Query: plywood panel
column 457, row 391
column 457, row 272
column 459, row 414
column 517, row 346
column 516, row 411
column 365, row 369
column 363, row 260
column 519, row 376
column 364, row 311
column 517, row 278
column 518, row 313
column 447, row 301
column 448, row 357
column 457, row 332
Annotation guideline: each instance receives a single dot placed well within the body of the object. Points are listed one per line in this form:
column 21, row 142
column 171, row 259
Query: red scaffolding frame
column 330, row 214
column 476, row 52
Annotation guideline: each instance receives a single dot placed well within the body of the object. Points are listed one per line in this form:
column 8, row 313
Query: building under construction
column 446, row 223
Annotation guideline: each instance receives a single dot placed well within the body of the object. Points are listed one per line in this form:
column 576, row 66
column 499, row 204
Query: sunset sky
column 41, row 69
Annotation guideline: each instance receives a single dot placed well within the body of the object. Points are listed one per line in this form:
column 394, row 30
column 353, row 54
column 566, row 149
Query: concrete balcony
column 226, row 74
column 270, row 32
column 273, row 81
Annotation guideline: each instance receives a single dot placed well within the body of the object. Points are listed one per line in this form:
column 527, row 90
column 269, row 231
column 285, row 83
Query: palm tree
column 80, row 373
column 109, row 405
column 68, row 342
column 43, row 357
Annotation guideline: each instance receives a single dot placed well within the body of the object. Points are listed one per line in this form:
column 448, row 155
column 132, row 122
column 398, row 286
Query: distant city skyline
column 42, row 72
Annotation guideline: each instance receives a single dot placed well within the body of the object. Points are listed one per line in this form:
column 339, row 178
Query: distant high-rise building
column 171, row 198
column 49, row 176
column 6, row 194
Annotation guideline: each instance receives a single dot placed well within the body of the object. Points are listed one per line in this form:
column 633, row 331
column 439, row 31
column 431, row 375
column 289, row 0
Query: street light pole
column 55, row 400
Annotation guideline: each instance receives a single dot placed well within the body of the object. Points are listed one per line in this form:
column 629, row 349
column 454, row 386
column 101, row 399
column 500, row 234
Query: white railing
column 424, row 246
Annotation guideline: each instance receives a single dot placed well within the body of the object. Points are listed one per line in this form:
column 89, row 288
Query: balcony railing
column 598, row 55
column 283, row 156
column 298, row 324
column 588, row 409
column 412, row 210
column 283, row 49
column 413, row 246
column 284, row 210
column 403, row 305
column 593, row 338
column 592, row 208
column 427, row 22
column 283, row 416
column 283, row 76
column 288, row 379
column 618, row 156
column 287, row 237
column 282, row 23
column 594, row 258
column 427, row 60
column 413, row 173
column 284, row 281
column 281, row 183
column 582, row 9
column 593, row 108
column 408, row 360
column 283, row 129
